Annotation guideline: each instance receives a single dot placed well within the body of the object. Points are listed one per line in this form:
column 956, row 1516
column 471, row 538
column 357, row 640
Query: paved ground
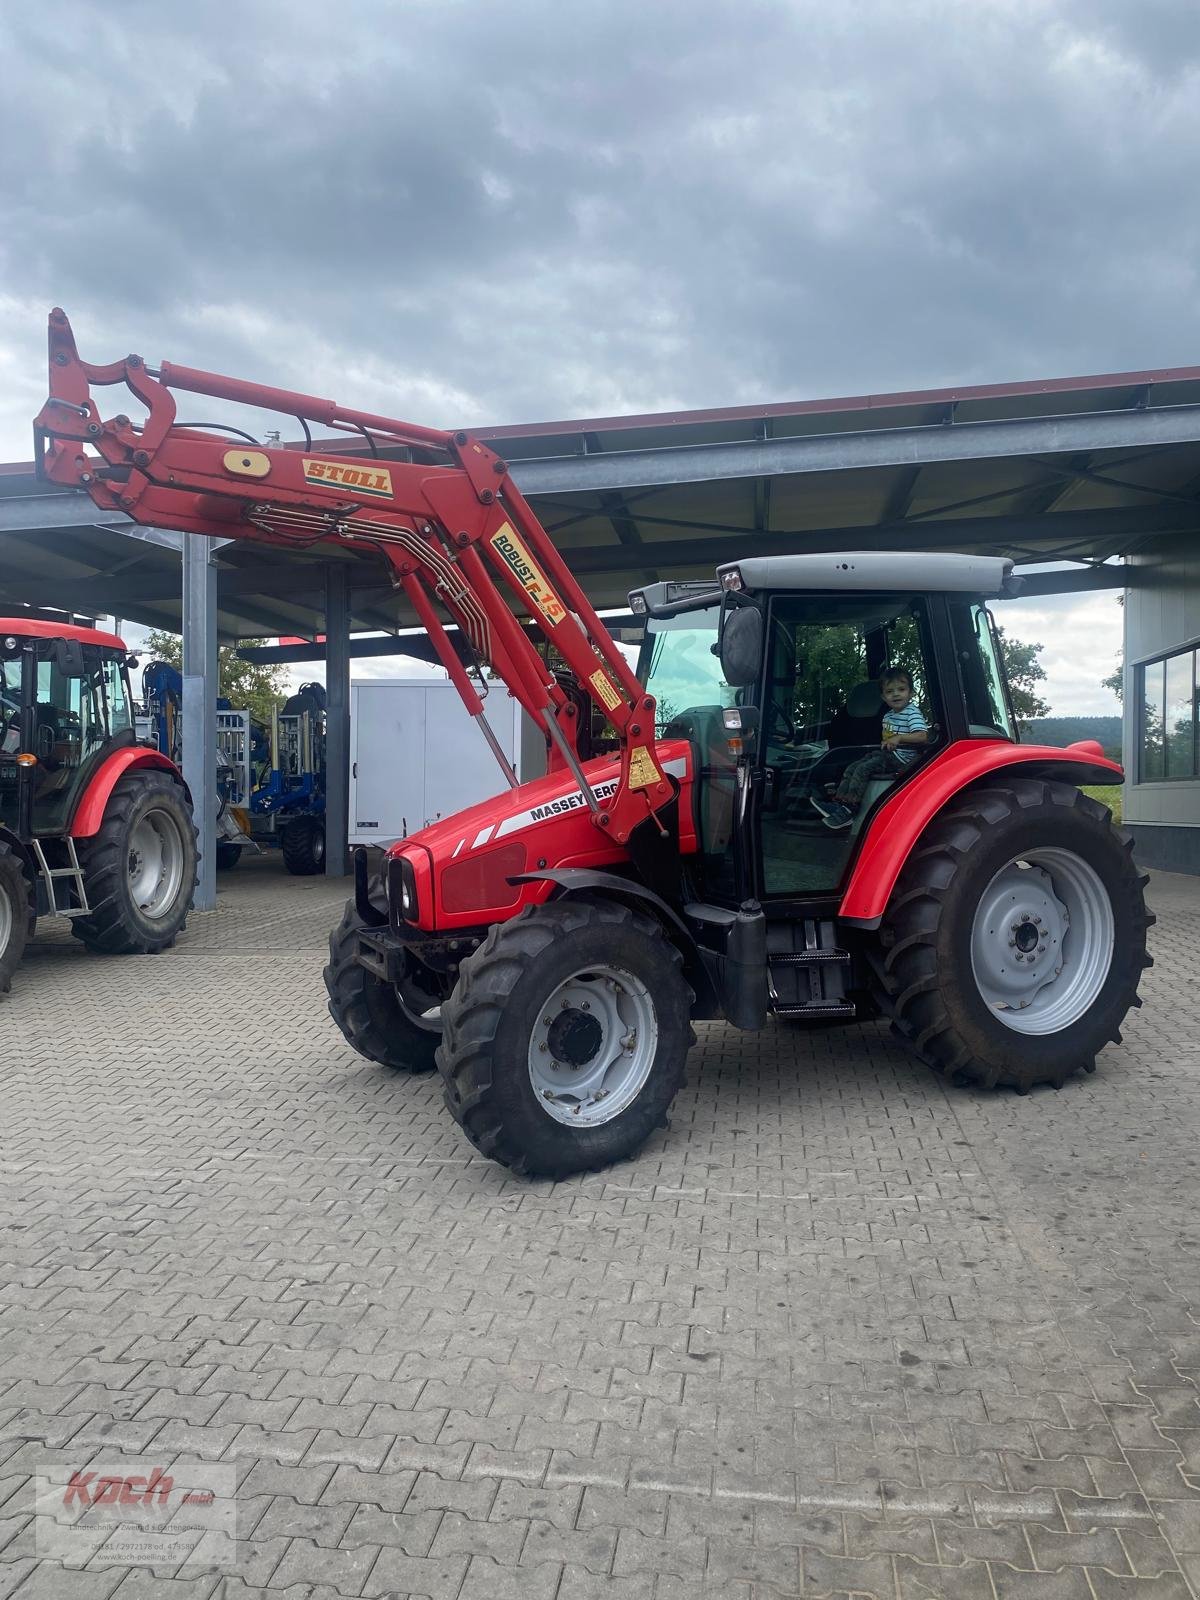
column 839, row 1331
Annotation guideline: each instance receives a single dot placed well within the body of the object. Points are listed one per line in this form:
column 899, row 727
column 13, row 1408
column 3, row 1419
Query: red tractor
column 93, row 826
column 818, row 808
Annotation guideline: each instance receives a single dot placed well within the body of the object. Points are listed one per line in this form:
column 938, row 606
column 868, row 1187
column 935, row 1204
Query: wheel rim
column 6, row 919
column 156, row 856
column 318, row 844
column 421, row 1009
column 593, row 1046
column 1042, row 941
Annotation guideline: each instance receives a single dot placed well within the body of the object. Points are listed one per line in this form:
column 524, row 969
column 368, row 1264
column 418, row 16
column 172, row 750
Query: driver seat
column 860, row 720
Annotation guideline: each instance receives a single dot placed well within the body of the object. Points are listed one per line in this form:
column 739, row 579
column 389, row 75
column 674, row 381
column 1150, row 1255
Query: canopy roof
column 1069, row 468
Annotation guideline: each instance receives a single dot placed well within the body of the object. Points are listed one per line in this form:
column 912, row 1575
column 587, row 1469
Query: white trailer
column 416, row 755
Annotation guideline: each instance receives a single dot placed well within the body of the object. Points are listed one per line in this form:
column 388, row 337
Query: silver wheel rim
column 155, row 863
column 1042, row 941
column 6, row 920
column 417, row 1007
column 593, row 1046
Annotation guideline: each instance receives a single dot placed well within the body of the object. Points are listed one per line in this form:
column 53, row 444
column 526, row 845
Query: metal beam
column 200, row 671
column 337, row 720
column 841, row 452
column 1080, row 580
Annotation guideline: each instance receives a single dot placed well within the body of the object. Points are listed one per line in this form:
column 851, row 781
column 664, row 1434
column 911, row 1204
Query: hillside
column 1066, row 730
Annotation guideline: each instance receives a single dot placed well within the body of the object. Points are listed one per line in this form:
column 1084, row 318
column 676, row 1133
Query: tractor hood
column 462, row 864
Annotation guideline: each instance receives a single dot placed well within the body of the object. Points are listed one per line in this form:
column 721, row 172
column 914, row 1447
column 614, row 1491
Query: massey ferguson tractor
column 93, row 826
column 748, row 852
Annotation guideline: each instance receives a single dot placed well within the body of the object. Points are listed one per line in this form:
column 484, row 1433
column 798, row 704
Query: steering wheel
column 778, row 715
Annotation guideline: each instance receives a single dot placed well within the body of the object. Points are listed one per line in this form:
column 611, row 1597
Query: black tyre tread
column 16, row 885
column 104, row 862
column 908, row 985
column 366, row 1011
column 228, row 856
column 300, row 847
column 472, row 1017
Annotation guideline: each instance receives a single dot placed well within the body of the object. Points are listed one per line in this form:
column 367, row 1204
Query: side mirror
column 68, row 657
column 741, row 646
column 132, row 663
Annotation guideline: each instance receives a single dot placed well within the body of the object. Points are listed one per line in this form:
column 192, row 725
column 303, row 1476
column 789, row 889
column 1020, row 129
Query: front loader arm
column 451, row 526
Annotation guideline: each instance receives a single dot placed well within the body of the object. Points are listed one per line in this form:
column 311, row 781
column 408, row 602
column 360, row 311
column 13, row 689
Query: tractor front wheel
column 139, row 870
column 1015, row 940
column 399, row 1030
column 566, row 1038
column 16, row 915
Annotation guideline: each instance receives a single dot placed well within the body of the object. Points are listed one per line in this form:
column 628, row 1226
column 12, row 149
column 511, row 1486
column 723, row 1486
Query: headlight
column 402, row 889
column 731, row 580
column 637, row 603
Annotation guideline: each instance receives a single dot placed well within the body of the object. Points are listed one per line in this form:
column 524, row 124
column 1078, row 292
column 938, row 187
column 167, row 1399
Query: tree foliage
column 247, row 685
column 1024, row 672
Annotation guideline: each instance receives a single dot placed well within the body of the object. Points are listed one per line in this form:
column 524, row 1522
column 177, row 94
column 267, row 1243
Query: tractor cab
column 791, row 676
column 67, row 706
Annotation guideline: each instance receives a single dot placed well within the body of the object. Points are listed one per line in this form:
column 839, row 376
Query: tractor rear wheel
column 401, row 1031
column 1016, row 937
column 566, row 1038
column 16, row 915
column 139, row 870
column 304, row 846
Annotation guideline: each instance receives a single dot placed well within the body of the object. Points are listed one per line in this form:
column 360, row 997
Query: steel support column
column 200, row 672
column 337, row 719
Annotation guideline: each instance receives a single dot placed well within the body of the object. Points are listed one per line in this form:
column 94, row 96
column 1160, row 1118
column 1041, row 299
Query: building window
column 1168, row 719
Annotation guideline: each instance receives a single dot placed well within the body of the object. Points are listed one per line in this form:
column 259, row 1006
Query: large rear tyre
column 566, row 1038
column 228, row 856
column 1016, row 937
column 401, row 1032
column 139, row 870
column 16, row 915
column 304, row 846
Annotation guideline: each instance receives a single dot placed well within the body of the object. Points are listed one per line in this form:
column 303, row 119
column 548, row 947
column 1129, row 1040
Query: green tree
column 1024, row 672
column 247, row 685
column 1116, row 678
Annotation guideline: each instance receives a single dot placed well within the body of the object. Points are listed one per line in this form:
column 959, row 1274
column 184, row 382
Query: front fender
column 899, row 823
column 89, row 813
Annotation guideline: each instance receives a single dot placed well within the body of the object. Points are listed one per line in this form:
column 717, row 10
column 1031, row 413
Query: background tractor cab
column 93, row 826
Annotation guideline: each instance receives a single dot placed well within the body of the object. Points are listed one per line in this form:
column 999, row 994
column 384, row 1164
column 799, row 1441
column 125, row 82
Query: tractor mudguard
column 581, row 881
column 89, row 814
column 899, row 823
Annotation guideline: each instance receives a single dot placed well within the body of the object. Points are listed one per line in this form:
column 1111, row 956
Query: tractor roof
column 35, row 628
column 908, row 572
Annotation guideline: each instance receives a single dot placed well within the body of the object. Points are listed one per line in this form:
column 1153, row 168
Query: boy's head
column 896, row 687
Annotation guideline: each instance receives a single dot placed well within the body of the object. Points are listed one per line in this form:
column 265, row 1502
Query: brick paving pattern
column 839, row 1331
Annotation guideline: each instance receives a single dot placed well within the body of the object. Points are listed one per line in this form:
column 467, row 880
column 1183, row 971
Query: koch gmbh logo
column 136, row 1514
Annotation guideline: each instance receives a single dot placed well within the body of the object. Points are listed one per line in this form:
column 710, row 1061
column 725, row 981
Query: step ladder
column 807, row 974
column 52, row 876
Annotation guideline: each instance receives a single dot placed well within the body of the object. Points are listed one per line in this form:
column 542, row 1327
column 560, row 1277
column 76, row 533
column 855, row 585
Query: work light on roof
column 731, row 579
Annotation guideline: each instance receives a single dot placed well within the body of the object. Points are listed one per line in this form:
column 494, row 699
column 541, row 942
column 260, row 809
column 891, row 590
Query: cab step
column 808, row 972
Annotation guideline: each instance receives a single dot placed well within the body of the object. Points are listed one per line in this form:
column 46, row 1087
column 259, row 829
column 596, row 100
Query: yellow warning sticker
column 642, row 770
column 605, row 688
column 529, row 575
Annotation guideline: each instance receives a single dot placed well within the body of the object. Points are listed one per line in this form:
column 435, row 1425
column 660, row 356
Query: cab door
column 81, row 712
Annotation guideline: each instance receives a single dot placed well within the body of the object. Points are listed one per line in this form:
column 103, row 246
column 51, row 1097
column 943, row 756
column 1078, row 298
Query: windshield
column 678, row 667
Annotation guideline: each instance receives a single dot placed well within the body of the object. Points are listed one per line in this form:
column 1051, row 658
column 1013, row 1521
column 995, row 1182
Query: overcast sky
column 466, row 211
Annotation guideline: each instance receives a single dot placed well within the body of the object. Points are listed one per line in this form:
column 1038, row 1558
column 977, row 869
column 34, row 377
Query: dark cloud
column 468, row 211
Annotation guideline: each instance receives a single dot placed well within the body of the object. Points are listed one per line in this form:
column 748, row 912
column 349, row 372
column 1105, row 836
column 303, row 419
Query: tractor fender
column 897, row 826
column 89, row 813
column 578, row 881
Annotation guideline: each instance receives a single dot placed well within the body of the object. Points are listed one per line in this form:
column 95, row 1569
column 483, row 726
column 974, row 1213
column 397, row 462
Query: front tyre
column 1016, row 937
column 139, row 870
column 16, row 915
column 566, row 1038
column 399, row 1030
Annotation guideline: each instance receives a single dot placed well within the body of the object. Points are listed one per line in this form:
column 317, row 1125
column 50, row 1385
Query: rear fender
column 897, row 826
column 89, row 813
